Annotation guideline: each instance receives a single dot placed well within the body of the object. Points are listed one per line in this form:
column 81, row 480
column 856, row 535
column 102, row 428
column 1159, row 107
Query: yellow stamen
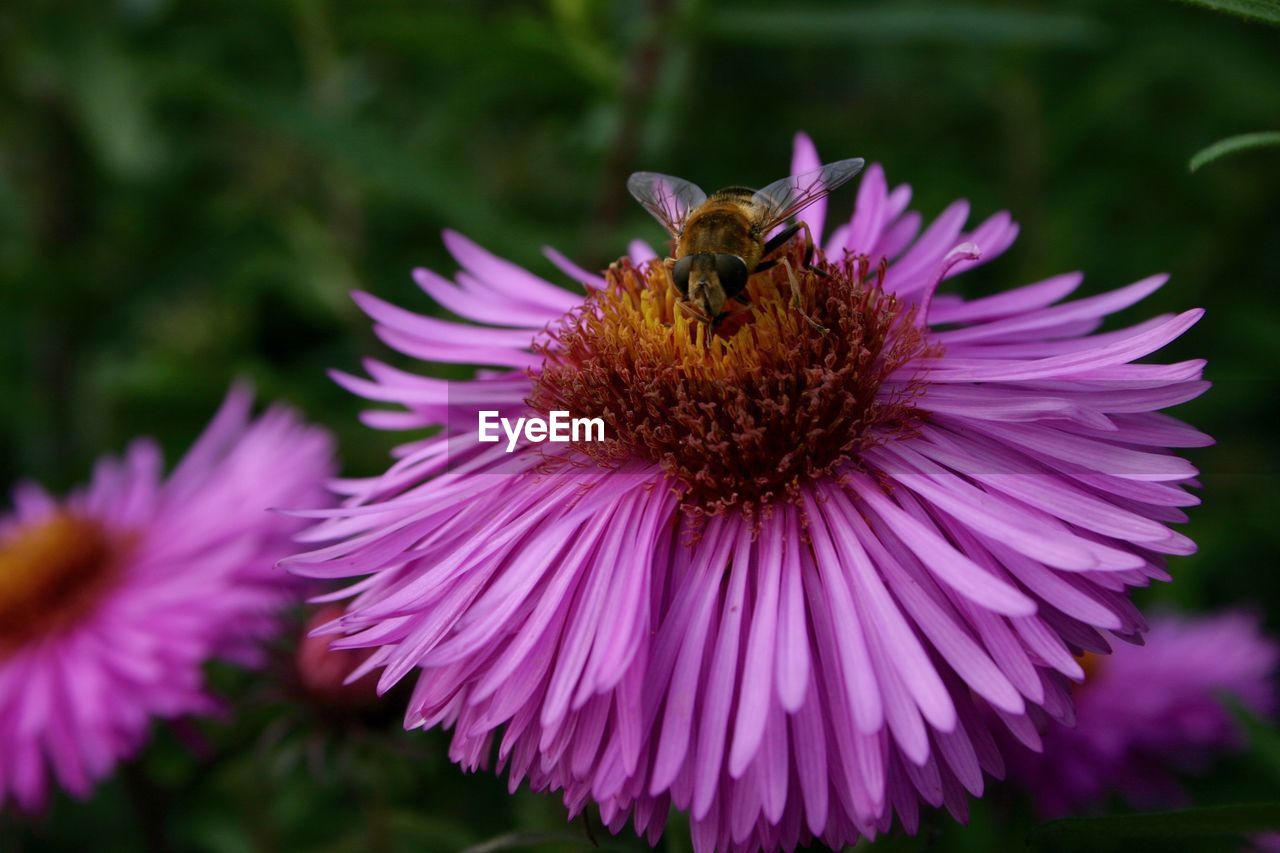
column 50, row 574
column 741, row 415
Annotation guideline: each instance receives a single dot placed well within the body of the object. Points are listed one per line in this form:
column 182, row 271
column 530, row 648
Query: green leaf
column 112, row 95
column 373, row 158
column 1266, row 11
column 1115, row 832
column 946, row 24
column 1234, row 145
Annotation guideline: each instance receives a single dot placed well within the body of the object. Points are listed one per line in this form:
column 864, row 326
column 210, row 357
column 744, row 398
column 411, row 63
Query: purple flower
column 112, row 600
column 785, row 590
column 1145, row 711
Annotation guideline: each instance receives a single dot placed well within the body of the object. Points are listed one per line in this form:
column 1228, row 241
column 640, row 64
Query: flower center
column 742, row 417
column 50, row 574
column 1091, row 664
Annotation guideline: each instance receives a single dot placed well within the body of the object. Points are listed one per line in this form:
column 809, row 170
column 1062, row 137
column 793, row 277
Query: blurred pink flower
column 1145, row 712
column 784, row 591
column 112, row 600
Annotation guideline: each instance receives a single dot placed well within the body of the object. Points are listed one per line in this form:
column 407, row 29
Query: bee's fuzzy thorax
column 768, row 402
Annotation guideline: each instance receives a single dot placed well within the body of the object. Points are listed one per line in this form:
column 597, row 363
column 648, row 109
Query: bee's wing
column 783, row 199
column 668, row 198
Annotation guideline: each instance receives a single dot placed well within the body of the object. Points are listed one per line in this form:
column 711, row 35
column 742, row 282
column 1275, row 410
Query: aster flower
column 788, row 589
column 1145, row 712
column 113, row 599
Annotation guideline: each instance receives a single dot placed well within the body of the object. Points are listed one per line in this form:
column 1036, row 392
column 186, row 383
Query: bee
column 722, row 240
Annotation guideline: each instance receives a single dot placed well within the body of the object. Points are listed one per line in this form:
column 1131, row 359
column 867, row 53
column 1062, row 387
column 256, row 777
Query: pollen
column 51, row 573
column 743, row 416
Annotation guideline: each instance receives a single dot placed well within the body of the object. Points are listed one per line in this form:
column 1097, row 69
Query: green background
column 189, row 190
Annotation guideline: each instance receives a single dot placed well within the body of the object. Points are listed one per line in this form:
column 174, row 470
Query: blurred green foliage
column 189, row 190
column 1266, row 11
column 1234, row 145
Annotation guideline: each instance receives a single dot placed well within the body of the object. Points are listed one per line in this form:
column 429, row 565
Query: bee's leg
column 797, row 301
column 781, row 239
column 809, row 245
column 669, row 265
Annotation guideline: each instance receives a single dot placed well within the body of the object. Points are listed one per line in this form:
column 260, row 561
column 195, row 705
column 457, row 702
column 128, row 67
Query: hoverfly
column 723, row 240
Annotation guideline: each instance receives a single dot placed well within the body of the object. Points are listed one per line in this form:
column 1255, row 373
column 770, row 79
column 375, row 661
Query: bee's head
column 710, row 279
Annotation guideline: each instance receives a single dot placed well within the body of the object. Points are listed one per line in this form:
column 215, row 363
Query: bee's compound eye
column 732, row 272
column 680, row 274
